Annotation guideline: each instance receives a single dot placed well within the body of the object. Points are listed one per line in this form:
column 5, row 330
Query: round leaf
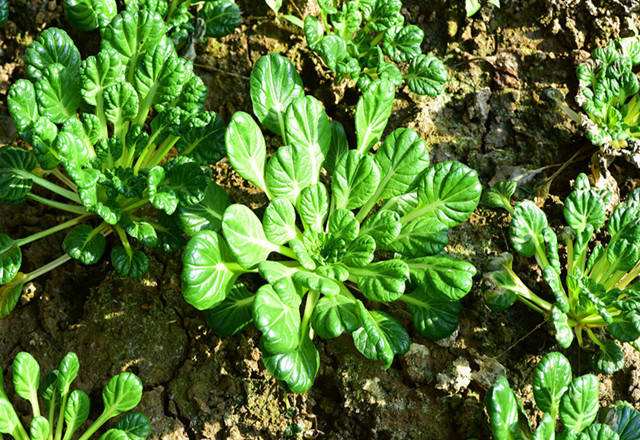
column 433, row 315
column 122, row 393
column 276, row 314
column 131, row 265
column 527, row 228
column 26, row 376
column 10, row 259
column 297, row 368
column 551, row 380
column 245, row 236
column 579, row 405
column 84, row 244
column 135, row 425
column 233, row 314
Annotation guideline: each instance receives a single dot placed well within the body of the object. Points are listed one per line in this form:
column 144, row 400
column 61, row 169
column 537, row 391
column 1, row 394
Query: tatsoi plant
column 559, row 396
column 367, row 41
column 609, row 95
column 185, row 19
column 101, row 132
column 597, row 298
column 346, row 234
column 59, row 412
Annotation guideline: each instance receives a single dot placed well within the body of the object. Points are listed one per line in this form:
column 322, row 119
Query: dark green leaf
column 233, row 314
column 85, row 244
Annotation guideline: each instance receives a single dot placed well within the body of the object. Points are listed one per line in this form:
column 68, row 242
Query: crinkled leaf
column 14, row 185
column 584, row 208
column 88, row 15
column 624, row 420
column 53, row 46
column 135, row 425
column 427, row 75
column 130, row 265
column 355, row 180
column 403, row 43
column 384, row 226
column 610, row 357
column 449, row 276
column 84, row 244
column 10, row 259
column 527, row 228
column 121, row 102
column 57, row 92
column 560, row 321
column 22, row 105
column 579, row 405
column 221, row 17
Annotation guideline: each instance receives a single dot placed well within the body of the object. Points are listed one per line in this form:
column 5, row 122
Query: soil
column 497, row 115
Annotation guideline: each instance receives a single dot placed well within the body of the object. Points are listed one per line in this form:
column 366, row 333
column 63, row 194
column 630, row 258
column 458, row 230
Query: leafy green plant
column 598, row 295
column 184, row 18
column 558, row 395
column 346, row 232
column 609, row 94
column 4, row 11
column 473, row 6
column 368, row 41
column 65, row 411
column 101, row 131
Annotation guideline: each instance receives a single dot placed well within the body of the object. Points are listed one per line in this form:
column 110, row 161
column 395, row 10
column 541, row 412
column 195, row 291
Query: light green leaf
column 298, row 368
column 121, row 394
column 77, row 410
column 382, row 281
column 372, row 114
column 276, row 314
column 275, row 83
column 313, row 206
column 503, row 411
column 67, row 372
column 53, row 46
column 546, row 429
column 449, row 276
column 527, row 228
column 88, row 15
column 288, row 173
column 58, row 93
column 10, row 259
column 26, row 376
column 355, row 180
column 551, row 380
column 209, row 270
column 10, row 295
column 279, row 221
column 39, row 429
column 245, row 236
column 120, row 103
column 246, row 149
column 584, row 208
column 275, row 5
column 207, row 214
column 579, row 405
column 22, row 105
column 599, row 431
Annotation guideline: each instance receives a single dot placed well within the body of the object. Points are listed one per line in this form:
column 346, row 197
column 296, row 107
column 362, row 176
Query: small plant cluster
column 184, row 19
column 574, row 401
column 597, row 298
column 346, row 232
column 368, row 41
column 111, row 137
column 65, row 411
column 609, row 95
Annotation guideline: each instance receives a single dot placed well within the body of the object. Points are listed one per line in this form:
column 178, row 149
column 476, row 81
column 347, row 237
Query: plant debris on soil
column 496, row 116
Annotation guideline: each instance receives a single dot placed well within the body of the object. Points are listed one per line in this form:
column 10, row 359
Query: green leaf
column 276, row 314
column 624, row 420
column 279, row 221
column 504, row 284
column 22, row 104
column 372, row 114
column 273, row 271
column 114, row 434
column 499, row 195
column 133, row 33
column 209, row 270
column 133, row 264
column 14, row 186
column 355, row 180
column 53, row 46
column 39, row 429
column 380, row 337
column 401, row 159
column 181, row 184
column 121, row 103
column 335, row 315
column 551, row 379
column 10, row 295
column 433, row 314
column 599, row 432
column 57, row 93
column 44, row 134
column 584, row 208
column 427, row 75
column 308, row 127
column 135, row 425
column 449, row 276
column 4, row 11
column 67, row 372
column 10, row 259
column 610, row 358
column 245, row 236
column 221, row 17
column 313, row 30
column 246, row 148
column 26, row 376
column 207, row 214
column 579, row 405
column 360, row 252
column 313, row 206
column 503, row 411
column 382, row 281
column 275, row 5
column 564, row 333
column 9, row 421
column 122, row 393
column 626, row 326
column 84, row 244
column 527, row 228
column 297, row 368
column 546, row 429
column 88, row 15
column 288, row 173
column 384, row 226
column 403, row 43
column 332, row 49
column 275, row 83
column 100, row 72
column 77, row 410
column 472, row 7
column 233, row 314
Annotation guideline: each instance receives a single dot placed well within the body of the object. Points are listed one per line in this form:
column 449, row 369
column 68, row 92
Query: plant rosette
column 65, row 411
column 596, row 299
column 574, row 401
column 121, row 140
column 368, row 42
column 347, row 233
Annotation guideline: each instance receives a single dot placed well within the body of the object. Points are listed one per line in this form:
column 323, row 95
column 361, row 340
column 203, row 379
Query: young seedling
column 597, row 298
column 346, row 234
column 559, row 396
column 185, row 20
column 65, row 411
column 101, row 132
column 368, row 41
column 609, row 95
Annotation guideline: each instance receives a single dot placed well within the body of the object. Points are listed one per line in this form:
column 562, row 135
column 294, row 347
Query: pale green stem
column 46, row 268
column 64, row 179
column 104, row 418
column 49, row 185
column 50, row 231
column 312, row 300
column 75, row 209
